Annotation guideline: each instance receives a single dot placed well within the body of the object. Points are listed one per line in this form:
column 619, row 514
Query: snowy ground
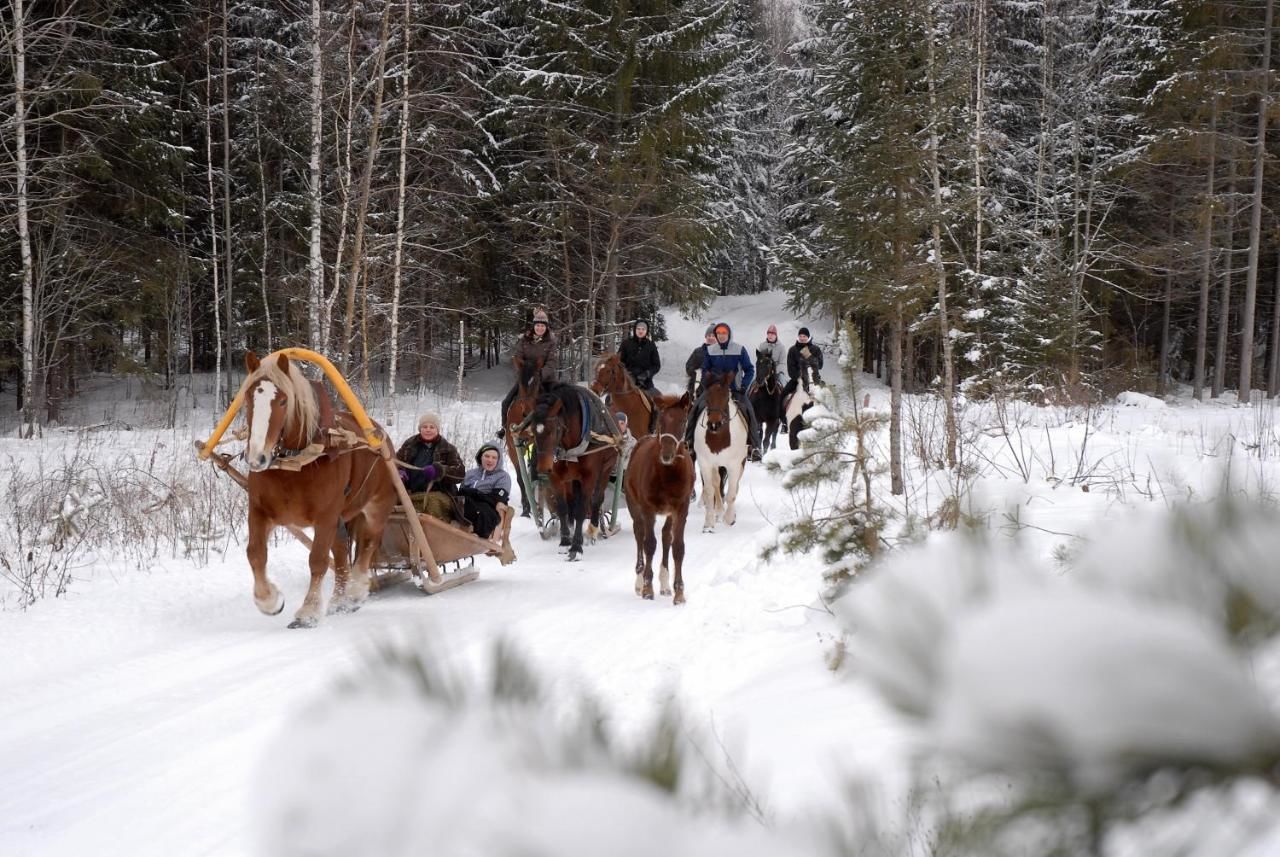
column 139, row 709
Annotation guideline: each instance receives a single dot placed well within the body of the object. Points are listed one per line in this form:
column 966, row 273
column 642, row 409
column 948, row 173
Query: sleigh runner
column 409, row 545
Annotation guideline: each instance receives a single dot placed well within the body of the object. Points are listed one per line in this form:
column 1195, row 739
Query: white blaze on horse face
column 257, row 453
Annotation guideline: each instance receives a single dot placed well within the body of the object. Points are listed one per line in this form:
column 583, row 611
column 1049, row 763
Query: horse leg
column 308, row 615
column 710, row 495
column 341, row 552
column 734, row 479
column 677, row 552
column 637, row 529
column 265, row 593
column 562, row 512
column 578, row 511
column 664, row 579
column 650, row 545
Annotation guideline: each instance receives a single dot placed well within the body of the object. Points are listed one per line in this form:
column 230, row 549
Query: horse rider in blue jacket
column 725, row 356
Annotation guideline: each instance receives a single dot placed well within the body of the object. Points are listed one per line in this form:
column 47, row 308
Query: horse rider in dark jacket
column 639, row 357
column 801, row 356
column 693, row 366
column 537, row 344
column 726, row 356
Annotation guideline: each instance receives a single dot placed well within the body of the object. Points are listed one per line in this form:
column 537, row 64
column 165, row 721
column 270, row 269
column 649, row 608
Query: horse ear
column 251, row 361
column 283, row 363
column 556, row 407
column 684, row 400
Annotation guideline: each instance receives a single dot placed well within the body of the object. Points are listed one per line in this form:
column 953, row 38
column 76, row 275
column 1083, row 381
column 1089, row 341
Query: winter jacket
column 693, row 365
column 775, row 350
column 532, row 349
column 640, row 357
column 801, row 355
column 730, row 357
column 494, row 485
column 441, row 453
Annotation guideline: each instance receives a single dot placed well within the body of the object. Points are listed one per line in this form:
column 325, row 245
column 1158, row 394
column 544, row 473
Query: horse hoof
column 269, row 608
column 648, row 596
column 678, row 600
column 309, row 622
column 664, row 591
column 708, row 529
column 344, row 606
column 562, row 549
column 575, row 556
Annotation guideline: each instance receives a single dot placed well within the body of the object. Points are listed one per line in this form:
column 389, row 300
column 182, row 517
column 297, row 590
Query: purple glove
column 404, row 475
column 430, row 472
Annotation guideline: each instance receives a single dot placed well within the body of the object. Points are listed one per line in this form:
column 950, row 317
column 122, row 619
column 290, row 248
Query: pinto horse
column 797, row 403
column 529, row 381
column 766, row 399
column 658, row 481
column 283, row 411
column 720, row 440
column 613, row 378
column 578, row 484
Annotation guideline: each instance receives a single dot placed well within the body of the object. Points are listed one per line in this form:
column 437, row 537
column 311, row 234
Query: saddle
column 600, row 426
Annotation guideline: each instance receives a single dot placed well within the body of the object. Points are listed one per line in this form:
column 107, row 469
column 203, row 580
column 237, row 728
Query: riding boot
column 753, row 428
column 502, row 414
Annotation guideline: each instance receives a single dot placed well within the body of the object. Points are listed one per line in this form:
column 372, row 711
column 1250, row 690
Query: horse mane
column 301, row 407
column 666, row 400
column 566, row 394
column 529, row 372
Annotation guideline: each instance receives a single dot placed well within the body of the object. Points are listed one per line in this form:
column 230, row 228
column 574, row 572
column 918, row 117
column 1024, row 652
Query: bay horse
column 658, row 481
column 796, row 404
column 613, row 378
column 720, row 441
column 766, row 399
column 529, row 383
column 577, row 484
column 284, row 413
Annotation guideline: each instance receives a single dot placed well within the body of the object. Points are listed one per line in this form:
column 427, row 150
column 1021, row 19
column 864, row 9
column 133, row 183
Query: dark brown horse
column 659, row 481
column 283, row 412
column 577, row 483
column 766, row 400
column 613, row 378
column 529, row 381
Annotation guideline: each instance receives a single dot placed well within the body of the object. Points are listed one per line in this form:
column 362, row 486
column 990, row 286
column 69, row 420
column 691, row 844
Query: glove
column 430, row 472
column 467, row 491
column 404, row 475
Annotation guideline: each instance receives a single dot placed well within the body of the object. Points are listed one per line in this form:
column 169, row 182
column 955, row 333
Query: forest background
column 1054, row 200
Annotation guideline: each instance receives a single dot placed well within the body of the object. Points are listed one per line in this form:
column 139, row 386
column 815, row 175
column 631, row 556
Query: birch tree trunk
column 262, row 211
column 939, row 269
column 1273, row 375
column 1255, row 220
column 214, row 259
column 399, row 251
column 1206, row 257
column 315, row 263
column 226, row 188
column 344, row 186
column 1224, row 295
column 29, row 418
column 362, row 203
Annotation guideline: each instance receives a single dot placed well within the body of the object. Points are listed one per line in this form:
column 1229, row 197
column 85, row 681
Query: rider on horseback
column 536, row 345
column 639, row 357
column 772, row 348
column 693, row 366
column 801, row 356
column 729, row 357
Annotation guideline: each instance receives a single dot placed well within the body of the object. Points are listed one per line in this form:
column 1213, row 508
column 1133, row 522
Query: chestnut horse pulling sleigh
column 334, row 471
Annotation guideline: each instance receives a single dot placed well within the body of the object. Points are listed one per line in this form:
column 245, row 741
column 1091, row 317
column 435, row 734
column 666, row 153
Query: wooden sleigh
column 414, row 546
